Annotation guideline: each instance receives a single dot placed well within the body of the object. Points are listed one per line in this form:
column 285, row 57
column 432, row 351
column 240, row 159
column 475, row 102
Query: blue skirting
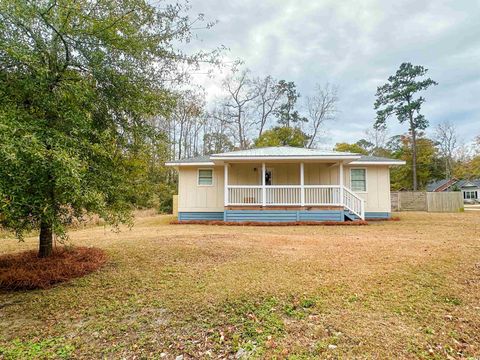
column 377, row 215
column 200, row 216
column 278, row 215
column 283, row 215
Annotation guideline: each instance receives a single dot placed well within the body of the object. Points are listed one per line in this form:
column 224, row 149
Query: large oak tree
column 78, row 81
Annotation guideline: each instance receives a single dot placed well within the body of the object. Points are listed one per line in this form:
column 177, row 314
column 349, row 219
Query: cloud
column 356, row 45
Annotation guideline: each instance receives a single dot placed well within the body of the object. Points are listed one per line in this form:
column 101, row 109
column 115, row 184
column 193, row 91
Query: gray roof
column 368, row 158
column 193, row 160
column 282, row 151
column 468, row 183
column 474, row 183
column 436, row 184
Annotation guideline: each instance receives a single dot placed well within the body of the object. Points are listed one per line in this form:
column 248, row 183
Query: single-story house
column 284, row 184
column 470, row 188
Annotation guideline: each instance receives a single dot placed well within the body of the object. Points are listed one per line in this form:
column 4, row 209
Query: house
column 284, row 184
column 470, row 188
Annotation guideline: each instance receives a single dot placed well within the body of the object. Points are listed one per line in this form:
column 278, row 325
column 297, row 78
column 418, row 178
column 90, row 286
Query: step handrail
column 357, row 207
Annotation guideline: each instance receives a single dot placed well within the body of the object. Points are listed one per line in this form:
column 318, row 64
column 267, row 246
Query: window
column 205, row 177
column 469, row 194
column 358, row 179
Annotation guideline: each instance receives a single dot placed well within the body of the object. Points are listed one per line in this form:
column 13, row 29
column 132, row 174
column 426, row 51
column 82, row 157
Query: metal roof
column 282, row 151
column 285, row 152
column 378, row 159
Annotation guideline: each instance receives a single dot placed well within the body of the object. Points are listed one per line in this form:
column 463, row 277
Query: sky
column 356, row 45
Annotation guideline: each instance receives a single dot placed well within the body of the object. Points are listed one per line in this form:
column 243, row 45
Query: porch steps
column 350, row 216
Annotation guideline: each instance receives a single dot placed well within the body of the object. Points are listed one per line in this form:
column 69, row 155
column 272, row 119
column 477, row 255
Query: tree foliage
column 282, row 136
column 397, row 98
column 351, row 148
column 79, row 81
column 287, row 114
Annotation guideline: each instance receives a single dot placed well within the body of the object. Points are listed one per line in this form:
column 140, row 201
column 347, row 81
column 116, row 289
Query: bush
column 165, row 197
column 26, row 271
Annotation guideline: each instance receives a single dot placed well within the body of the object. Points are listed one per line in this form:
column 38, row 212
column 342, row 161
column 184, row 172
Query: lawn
column 405, row 289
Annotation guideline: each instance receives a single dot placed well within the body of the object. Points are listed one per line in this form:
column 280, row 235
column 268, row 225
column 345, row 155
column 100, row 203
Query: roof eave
column 378, row 163
column 203, row 163
column 287, row 157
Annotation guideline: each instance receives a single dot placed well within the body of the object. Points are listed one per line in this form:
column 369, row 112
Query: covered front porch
column 299, row 186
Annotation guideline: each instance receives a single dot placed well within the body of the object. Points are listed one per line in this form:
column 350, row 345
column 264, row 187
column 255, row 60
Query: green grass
column 408, row 289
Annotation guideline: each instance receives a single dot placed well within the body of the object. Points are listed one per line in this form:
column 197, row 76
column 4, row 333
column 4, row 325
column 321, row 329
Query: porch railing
column 288, row 195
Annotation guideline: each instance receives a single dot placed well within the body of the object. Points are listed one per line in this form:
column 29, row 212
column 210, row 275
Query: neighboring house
column 284, row 184
column 470, row 188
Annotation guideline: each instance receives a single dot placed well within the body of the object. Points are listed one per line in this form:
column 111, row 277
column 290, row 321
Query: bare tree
column 378, row 138
column 321, row 107
column 217, row 132
column 239, row 101
column 446, row 136
column 267, row 100
column 187, row 114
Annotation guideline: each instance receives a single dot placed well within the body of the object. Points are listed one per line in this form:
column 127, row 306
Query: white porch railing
column 354, row 203
column 288, row 195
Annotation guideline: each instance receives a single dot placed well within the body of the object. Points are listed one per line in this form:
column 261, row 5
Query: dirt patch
column 26, row 271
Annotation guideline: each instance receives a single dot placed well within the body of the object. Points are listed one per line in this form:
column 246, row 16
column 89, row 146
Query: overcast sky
column 357, row 44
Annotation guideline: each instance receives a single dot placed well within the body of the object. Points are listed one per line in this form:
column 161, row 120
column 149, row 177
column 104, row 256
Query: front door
column 268, row 176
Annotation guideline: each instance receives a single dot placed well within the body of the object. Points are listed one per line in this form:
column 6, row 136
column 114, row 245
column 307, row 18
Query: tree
column 187, row 117
column 79, row 81
column 321, row 106
column 239, row 100
column 429, row 165
column 351, row 148
column 267, row 100
column 446, row 137
column 397, row 97
column 286, row 112
column 216, row 142
column 282, row 136
column 378, row 139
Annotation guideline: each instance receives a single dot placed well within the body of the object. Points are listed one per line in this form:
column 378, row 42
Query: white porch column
column 302, row 184
column 264, row 189
column 225, row 183
column 340, row 174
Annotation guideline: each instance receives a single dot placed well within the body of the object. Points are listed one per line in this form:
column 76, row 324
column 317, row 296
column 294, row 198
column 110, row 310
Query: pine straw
column 26, row 271
column 271, row 223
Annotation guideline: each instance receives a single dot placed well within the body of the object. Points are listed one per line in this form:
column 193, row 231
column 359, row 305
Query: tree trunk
column 414, row 159
column 46, row 240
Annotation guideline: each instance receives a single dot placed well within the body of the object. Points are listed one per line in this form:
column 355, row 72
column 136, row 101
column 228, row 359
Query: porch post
column 302, row 184
column 340, row 174
column 264, row 190
column 225, row 183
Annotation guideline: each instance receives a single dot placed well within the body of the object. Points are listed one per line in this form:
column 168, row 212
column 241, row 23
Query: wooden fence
column 445, row 201
column 427, row 201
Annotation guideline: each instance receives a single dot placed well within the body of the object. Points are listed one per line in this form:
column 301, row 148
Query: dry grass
column 26, row 271
column 404, row 289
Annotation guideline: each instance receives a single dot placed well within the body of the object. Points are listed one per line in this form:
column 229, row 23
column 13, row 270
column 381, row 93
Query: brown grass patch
column 269, row 223
column 26, row 271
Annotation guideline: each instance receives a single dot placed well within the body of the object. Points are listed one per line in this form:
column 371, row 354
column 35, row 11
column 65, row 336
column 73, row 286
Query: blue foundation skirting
column 377, row 215
column 265, row 215
column 201, row 216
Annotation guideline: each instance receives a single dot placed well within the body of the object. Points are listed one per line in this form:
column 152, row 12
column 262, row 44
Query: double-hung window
column 358, row 179
column 205, row 177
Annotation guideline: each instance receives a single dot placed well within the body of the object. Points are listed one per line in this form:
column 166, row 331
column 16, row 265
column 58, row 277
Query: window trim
column 472, row 194
column 198, row 177
column 366, row 181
